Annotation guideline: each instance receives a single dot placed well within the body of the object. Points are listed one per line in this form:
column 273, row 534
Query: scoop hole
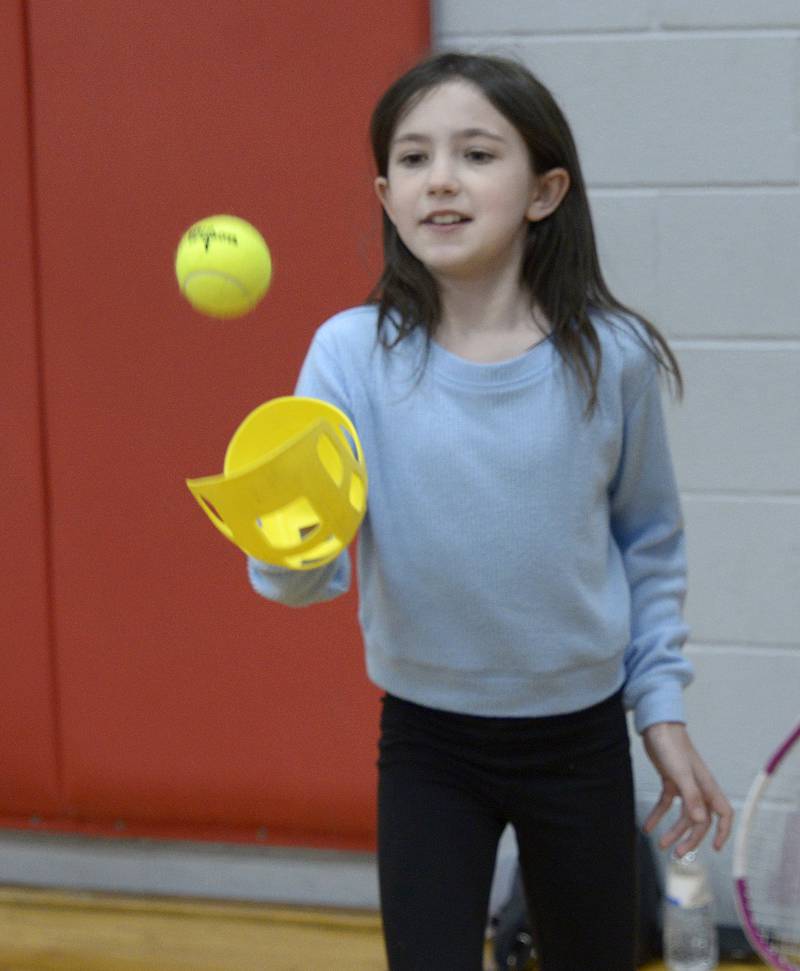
column 291, row 524
column 357, row 494
column 350, row 440
column 212, row 509
column 317, row 556
column 330, row 458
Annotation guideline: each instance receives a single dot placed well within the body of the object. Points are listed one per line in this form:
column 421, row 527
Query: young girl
column 521, row 564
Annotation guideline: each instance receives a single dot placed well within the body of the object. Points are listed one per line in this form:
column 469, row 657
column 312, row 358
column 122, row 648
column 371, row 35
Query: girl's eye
column 411, row 159
column 479, row 155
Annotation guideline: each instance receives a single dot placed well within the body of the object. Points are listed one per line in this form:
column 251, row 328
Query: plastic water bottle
column 690, row 933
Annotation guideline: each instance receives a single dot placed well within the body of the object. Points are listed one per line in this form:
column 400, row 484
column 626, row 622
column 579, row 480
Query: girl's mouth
column 446, row 219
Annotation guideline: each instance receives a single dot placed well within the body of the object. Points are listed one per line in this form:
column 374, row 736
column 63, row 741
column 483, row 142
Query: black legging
column 449, row 783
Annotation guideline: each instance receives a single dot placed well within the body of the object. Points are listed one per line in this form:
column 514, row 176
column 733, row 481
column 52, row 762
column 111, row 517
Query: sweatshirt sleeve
column 300, row 588
column 320, row 377
column 647, row 524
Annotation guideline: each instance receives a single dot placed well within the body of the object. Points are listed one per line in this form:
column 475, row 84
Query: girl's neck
column 487, row 323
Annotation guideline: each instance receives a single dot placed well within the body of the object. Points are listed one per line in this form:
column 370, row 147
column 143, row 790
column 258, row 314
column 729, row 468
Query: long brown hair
column 560, row 266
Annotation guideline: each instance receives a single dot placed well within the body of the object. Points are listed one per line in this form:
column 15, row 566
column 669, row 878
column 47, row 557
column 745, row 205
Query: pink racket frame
column 760, row 783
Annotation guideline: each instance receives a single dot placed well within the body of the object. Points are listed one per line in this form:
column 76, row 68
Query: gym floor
column 43, row 930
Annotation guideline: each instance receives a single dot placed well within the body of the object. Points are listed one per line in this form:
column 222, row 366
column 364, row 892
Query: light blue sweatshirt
column 516, row 559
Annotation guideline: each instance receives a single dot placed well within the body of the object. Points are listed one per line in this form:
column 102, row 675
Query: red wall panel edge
column 29, row 770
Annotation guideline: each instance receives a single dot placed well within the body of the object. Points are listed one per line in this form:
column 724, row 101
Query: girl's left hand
column 685, row 775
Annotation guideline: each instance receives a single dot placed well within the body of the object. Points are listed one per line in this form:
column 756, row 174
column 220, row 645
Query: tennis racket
column 766, row 859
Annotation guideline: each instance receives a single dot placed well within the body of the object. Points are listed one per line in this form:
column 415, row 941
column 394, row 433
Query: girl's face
column 460, row 188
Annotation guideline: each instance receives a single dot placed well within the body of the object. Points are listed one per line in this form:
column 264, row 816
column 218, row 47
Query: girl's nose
column 442, row 177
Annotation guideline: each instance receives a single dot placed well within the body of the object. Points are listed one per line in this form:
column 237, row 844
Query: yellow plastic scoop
column 294, row 487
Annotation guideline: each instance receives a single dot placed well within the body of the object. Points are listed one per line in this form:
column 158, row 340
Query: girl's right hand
column 685, row 775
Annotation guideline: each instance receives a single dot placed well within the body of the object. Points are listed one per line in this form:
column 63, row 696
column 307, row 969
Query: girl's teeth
column 446, row 220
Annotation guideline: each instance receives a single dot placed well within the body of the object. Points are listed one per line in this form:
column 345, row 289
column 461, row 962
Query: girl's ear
column 382, row 192
column 551, row 187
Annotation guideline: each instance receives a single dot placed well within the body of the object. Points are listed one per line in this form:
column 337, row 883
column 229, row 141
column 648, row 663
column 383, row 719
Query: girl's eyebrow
column 465, row 133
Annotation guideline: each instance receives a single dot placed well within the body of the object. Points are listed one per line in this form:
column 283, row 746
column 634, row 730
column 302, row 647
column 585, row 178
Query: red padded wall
column 28, row 704
column 186, row 704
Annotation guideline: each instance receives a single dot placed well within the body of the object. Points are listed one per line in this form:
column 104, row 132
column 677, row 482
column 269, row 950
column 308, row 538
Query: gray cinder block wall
column 687, row 117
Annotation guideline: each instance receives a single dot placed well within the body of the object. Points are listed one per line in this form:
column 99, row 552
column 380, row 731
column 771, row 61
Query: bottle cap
column 687, row 882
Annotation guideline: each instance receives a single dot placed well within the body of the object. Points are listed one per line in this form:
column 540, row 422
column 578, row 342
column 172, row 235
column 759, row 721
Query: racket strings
column 773, row 862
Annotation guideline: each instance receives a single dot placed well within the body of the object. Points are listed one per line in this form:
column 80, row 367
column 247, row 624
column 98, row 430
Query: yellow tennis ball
column 223, row 266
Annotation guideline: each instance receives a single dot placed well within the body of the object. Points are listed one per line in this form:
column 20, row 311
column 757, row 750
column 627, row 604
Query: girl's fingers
column 696, row 836
column 684, row 775
column 724, row 813
column 717, row 804
column 660, row 810
column 724, row 826
column 680, row 833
